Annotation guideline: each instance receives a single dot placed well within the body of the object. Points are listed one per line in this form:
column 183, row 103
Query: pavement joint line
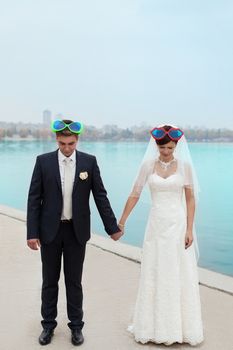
column 124, row 257
column 13, row 217
column 217, row 289
column 118, row 254
column 138, row 262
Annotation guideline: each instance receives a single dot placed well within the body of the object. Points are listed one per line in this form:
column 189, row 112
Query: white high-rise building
column 47, row 117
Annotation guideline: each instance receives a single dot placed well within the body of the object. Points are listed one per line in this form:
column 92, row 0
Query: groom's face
column 67, row 144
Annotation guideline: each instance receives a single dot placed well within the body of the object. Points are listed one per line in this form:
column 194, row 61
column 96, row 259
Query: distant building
column 47, row 117
column 108, row 129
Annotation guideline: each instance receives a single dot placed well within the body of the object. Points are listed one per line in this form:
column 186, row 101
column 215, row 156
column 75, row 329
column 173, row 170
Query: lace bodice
column 174, row 182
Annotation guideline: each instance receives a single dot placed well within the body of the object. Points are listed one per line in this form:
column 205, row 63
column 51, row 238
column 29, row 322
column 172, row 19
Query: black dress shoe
column 76, row 337
column 46, row 336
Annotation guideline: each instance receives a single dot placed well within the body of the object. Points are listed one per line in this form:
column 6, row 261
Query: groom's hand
column 117, row 235
column 34, row 243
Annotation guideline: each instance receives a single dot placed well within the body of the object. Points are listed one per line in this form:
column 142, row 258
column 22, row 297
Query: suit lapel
column 55, row 166
column 78, row 169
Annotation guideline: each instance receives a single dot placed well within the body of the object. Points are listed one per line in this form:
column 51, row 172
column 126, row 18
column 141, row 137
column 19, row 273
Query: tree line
column 12, row 131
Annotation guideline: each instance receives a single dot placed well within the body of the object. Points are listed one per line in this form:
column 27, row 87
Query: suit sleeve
column 35, row 197
column 102, row 202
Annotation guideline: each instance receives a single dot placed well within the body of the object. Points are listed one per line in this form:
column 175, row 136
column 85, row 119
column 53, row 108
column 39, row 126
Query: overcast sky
column 118, row 61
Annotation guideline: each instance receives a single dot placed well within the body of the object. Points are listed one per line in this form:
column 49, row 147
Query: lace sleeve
column 188, row 176
column 145, row 170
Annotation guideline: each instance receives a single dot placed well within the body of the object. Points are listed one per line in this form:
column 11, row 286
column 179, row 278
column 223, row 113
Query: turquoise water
column 119, row 163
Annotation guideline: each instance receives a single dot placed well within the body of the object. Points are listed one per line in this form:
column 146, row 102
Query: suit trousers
column 65, row 244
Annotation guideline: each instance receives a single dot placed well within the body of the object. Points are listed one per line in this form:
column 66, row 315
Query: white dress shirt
column 61, row 158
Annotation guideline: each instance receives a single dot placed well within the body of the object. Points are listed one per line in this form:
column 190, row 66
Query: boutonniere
column 83, row 175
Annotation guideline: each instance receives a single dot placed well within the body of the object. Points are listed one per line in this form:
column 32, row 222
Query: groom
column 58, row 222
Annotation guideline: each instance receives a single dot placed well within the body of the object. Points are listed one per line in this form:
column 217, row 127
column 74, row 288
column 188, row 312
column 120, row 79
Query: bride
column 168, row 306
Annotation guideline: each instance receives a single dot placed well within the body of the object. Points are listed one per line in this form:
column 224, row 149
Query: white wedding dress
column 168, row 303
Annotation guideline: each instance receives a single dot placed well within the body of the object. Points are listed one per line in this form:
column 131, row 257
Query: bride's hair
column 166, row 138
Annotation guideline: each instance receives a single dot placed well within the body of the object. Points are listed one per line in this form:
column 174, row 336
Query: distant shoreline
column 20, row 139
column 109, row 133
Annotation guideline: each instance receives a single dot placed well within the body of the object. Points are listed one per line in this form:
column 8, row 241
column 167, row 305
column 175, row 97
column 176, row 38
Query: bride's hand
column 121, row 227
column 188, row 239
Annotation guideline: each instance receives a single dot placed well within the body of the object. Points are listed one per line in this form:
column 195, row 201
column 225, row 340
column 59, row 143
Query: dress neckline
column 165, row 178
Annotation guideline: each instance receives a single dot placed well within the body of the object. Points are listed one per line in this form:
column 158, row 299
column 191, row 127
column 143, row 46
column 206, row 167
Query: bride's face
column 166, row 151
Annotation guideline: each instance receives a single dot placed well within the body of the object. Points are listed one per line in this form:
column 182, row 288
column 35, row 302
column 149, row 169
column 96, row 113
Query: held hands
column 188, row 239
column 34, row 243
column 116, row 236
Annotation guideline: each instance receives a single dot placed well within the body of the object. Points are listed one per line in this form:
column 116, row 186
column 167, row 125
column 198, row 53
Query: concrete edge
column 207, row 278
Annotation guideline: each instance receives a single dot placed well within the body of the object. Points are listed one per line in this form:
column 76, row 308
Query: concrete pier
column 110, row 281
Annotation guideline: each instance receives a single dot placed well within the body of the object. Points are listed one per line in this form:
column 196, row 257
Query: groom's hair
column 66, row 131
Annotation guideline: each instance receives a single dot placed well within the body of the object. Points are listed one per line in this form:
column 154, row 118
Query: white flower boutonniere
column 83, row 175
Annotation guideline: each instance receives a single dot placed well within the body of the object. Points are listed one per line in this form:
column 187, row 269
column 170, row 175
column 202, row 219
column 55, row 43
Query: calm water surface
column 119, row 163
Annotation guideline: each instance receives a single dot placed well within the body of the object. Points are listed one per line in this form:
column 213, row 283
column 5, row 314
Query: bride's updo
column 166, row 138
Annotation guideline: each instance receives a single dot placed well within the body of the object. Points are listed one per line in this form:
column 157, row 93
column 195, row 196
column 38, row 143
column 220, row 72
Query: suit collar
column 62, row 157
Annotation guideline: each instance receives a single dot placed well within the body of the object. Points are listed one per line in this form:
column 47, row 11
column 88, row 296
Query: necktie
column 68, row 188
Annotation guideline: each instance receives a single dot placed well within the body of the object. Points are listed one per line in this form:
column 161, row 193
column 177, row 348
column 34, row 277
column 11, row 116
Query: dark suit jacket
column 45, row 199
